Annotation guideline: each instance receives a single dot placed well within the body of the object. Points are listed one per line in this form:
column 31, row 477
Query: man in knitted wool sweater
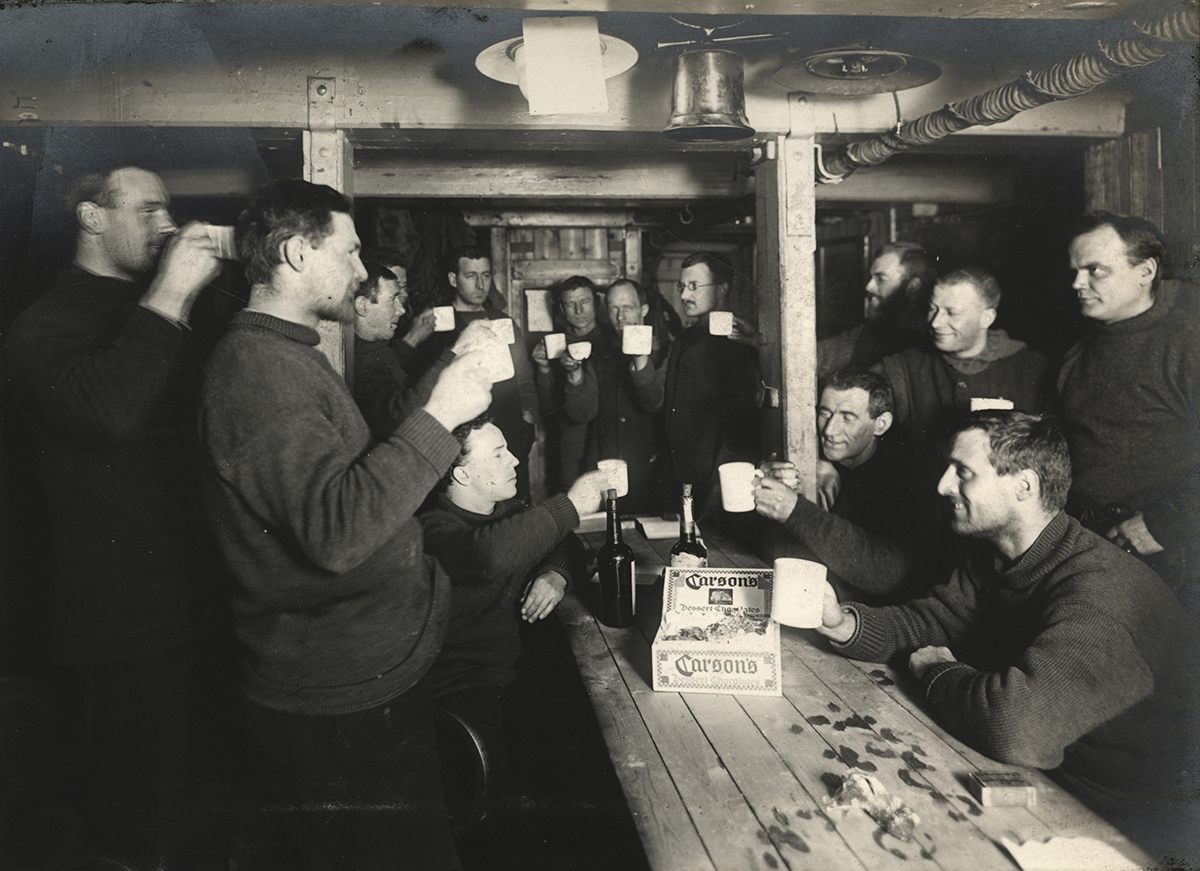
column 1048, row 647
column 507, row 562
column 1129, row 397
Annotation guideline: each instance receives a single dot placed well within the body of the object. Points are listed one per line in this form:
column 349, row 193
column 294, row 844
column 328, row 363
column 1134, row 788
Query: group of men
column 1035, row 639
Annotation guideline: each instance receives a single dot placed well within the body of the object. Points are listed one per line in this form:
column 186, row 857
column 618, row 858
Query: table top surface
column 737, row 782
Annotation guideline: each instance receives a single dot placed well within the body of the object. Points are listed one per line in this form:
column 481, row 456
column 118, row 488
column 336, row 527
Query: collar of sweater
column 1164, row 301
column 363, row 347
column 503, row 509
column 997, row 347
column 1041, row 558
column 287, row 329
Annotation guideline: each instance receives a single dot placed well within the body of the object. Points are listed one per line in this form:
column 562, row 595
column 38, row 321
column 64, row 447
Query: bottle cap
column 612, row 494
column 687, row 489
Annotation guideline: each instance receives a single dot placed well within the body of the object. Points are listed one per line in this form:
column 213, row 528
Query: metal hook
column 685, row 215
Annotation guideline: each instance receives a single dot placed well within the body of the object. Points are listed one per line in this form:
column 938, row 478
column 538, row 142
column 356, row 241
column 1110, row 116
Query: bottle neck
column 614, row 522
column 687, row 525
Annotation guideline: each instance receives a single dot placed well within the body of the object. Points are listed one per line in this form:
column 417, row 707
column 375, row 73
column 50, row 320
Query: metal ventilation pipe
column 1071, row 78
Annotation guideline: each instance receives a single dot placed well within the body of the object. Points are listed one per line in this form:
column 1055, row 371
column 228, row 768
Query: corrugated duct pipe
column 1073, row 77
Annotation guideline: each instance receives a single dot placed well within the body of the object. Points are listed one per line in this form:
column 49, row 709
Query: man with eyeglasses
column 707, row 390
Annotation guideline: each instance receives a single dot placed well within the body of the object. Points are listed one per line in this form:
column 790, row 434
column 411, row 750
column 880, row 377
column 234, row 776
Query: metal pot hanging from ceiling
column 708, row 100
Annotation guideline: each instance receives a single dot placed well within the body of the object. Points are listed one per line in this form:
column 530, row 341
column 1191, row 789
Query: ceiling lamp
column 851, row 72
column 708, row 100
column 560, row 64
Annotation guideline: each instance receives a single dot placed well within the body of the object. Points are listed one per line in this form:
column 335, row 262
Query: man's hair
column 94, row 186
column 278, row 212
column 641, row 294
column 466, row 252
column 722, row 272
column 1018, row 441
column 914, row 260
column 985, row 283
column 879, row 391
column 1143, row 240
column 370, row 285
column 461, row 432
column 575, row 282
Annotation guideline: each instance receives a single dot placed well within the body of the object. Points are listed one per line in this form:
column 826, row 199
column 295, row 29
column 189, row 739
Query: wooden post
column 328, row 159
column 786, row 214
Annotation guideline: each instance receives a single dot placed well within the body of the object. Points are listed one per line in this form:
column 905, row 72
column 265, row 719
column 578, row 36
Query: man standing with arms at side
column 338, row 611
column 1048, row 647
column 707, row 390
column 897, row 294
column 101, row 365
column 1129, row 397
column 880, row 534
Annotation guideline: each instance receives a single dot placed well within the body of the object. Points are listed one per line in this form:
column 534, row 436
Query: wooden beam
column 596, row 218
column 329, row 159
column 786, row 214
column 572, row 175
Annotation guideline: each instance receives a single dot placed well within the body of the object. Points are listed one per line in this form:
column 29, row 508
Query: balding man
column 966, row 362
column 1129, row 396
column 897, row 290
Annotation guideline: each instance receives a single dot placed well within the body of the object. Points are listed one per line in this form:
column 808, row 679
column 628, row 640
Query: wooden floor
column 737, row 782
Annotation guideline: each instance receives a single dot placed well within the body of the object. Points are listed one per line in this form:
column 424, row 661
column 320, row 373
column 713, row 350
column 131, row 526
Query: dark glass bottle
column 614, row 564
column 689, row 551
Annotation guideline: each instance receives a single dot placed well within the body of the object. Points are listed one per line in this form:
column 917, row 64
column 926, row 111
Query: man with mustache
column 103, row 369
column 878, row 537
column 707, row 390
column 1129, row 396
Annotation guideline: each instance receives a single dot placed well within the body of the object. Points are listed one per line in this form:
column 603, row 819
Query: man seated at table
column 1049, row 646
column 507, row 562
column 878, row 537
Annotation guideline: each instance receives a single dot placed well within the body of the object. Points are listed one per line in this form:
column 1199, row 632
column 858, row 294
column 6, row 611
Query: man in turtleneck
column 1128, row 398
column 707, row 390
column 1047, row 647
column 968, row 365
column 380, row 381
column 879, row 537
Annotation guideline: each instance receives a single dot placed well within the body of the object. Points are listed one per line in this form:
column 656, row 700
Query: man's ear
column 460, row 476
column 360, row 305
column 292, row 251
column 1148, row 269
column 883, row 423
column 645, row 311
column 988, row 318
column 91, row 217
column 453, row 279
column 1029, row 486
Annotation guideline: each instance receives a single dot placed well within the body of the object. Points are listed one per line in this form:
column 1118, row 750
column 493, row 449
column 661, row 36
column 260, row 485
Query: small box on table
column 1002, row 789
column 716, row 634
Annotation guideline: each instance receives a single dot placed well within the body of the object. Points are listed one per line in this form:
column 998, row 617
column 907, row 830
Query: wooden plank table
column 736, row 782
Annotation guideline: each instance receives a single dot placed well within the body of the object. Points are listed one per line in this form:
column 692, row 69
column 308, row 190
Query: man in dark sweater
column 338, row 610
column 603, row 399
column 1048, row 646
column 707, row 390
column 102, row 370
column 965, row 362
column 879, row 536
column 507, row 562
column 1129, row 396
column 514, row 400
